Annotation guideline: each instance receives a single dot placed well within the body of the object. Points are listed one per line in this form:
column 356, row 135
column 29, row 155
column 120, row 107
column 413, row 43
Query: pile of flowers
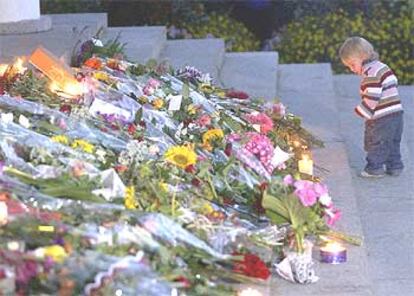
column 161, row 173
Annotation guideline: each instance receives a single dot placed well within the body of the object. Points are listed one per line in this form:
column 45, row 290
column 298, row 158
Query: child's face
column 354, row 64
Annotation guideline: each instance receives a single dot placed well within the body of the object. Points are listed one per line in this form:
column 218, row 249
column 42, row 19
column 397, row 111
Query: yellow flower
column 181, row 156
column 56, row 252
column 163, row 186
column 158, row 103
column 191, row 109
column 211, row 135
column 84, row 145
column 207, row 88
column 129, row 200
column 60, row 139
column 103, row 77
column 206, row 209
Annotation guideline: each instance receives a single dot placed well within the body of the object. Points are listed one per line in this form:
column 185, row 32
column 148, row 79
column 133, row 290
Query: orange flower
column 93, row 63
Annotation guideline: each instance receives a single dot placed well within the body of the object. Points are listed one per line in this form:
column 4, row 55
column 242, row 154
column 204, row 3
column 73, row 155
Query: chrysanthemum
column 181, row 156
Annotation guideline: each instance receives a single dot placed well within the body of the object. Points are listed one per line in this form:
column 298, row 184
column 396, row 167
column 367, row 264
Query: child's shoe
column 365, row 174
column 394, row 173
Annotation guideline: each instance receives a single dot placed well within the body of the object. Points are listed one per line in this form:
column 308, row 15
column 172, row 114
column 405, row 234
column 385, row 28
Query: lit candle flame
column 69, row 90
column 3, row 69
column 18, row 66
column 249, row 292
column 333, row 247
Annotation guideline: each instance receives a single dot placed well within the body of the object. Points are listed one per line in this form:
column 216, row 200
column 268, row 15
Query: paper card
column 52, row 67
column 175, row 102
column 279, row 156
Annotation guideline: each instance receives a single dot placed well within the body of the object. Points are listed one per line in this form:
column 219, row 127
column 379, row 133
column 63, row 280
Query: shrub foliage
column 317, row 39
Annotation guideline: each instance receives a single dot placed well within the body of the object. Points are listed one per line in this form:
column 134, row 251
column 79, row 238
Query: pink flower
column 204, row 120
column 320, row 188
column 265, row 122
column 332, row 215
column 306, row 192
column 151, row 86
column 153, row 83
column 288, row 180
column 279, row 109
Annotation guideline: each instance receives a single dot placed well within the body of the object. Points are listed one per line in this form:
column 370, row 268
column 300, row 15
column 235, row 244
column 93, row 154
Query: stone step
column 60, row 40
column 95, row 21
column 141, row 43
column 386, row 205
column 308, row 91
column 304, row 87
column 251, row 72
column 205, row 54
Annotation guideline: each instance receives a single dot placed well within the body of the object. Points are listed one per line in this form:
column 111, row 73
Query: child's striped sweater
column 379, row 92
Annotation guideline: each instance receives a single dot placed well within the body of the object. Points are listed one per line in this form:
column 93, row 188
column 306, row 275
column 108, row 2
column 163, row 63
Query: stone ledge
column 44, row 23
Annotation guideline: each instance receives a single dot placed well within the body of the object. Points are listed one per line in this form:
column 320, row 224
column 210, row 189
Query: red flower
column 121, row 168
column 184, row 281
column 252, row 266
column 65, row 108
column 237, row 94
column 132, row 128
column 228, row 150
column 190, row 169
column 196, row 182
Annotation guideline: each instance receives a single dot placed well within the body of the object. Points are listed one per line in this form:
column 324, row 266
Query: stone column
column 22, row 16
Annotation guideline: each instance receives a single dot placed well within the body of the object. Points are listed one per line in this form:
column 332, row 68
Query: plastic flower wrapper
column 298, row 267
column 74, row 127
column 131, row 278
column 172, row 233
column 92, row 272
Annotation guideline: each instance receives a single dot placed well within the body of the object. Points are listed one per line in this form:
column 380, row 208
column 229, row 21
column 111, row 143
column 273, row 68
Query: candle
column 333, row 253
column 305, row 165
column 249, row 292
column 3, row 213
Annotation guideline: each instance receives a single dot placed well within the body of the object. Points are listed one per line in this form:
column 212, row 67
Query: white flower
column 325, row 200
column 24, row 121
column 6, row 117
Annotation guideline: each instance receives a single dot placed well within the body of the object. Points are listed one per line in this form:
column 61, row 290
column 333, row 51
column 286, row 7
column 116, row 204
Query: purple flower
column 288, row 180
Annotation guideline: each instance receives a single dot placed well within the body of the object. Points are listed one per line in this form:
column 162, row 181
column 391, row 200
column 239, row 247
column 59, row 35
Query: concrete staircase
column 254, row 73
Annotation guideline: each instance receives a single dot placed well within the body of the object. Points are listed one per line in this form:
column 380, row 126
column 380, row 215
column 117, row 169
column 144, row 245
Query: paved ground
column 386, row 205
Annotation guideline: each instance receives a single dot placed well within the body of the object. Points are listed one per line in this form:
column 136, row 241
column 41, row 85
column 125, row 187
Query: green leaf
column 185, row 91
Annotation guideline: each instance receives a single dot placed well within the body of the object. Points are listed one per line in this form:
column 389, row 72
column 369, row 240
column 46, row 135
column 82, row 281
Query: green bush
column 235, row 34
column 317, row 39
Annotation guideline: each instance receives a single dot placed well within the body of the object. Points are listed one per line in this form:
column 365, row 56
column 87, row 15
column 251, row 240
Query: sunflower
column 84, row 145
column 181, row 156
column 129, row 199
column 211, row 135
column 60, row 139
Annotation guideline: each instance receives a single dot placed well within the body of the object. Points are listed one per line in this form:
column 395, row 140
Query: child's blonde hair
column 357, row 47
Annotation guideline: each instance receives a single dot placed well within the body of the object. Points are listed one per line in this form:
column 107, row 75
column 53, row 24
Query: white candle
column 305, row 165
column 3, row 213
